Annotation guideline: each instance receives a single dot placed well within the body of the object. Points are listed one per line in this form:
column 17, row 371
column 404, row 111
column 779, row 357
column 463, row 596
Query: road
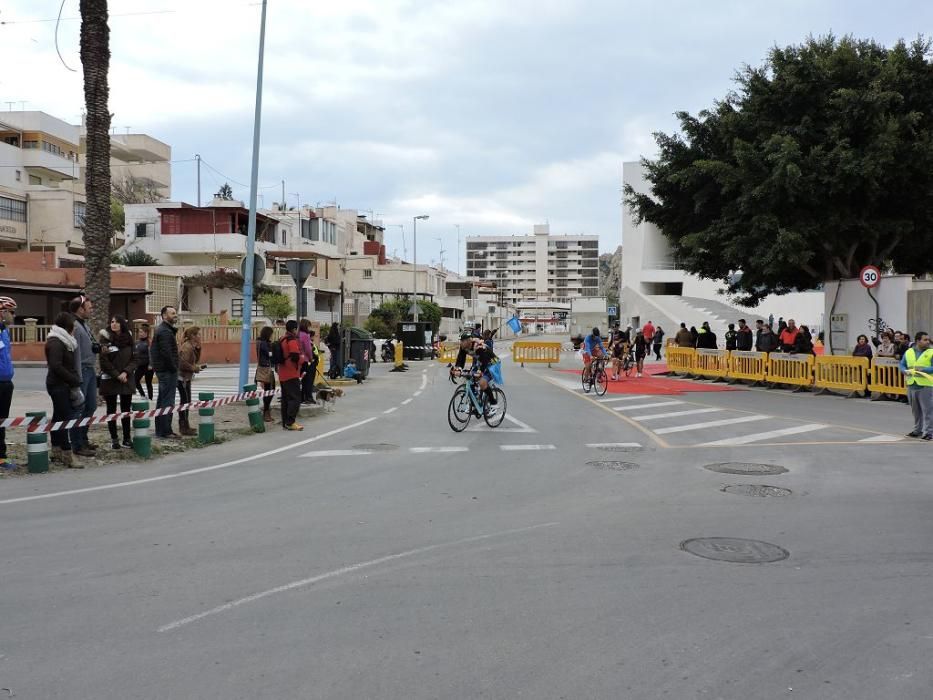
column 380, row 555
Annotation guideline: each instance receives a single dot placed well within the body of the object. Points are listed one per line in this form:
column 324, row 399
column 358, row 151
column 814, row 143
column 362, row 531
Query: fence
column 535, row 352
column 794, row 370
column 448, row 352
column 711, row 363
column 681, row 360
column 849, row 374
column 886, row 377
column 748, row 365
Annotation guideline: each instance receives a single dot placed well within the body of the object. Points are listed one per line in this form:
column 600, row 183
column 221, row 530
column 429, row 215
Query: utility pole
column 414, row 265
column 197, row 158
column 282, row 206
column 458, row 248
column 441, row 254
column 246, row 334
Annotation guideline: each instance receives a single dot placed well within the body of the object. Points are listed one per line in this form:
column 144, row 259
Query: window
column 19, row 175
column 236, row 308
column 142, row 230
column 164, row 291
column 35, row 180
column 367, row 274
column 281, row 268
column 30, row 144
column 12, row 209
column 80, row 214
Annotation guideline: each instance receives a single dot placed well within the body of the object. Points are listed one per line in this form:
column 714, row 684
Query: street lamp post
column 414, row 265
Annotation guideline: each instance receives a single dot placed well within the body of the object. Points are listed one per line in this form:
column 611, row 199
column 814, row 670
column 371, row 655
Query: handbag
column 265, row 375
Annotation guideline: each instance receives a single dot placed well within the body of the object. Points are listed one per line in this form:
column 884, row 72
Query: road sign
column 299, row 270
column 613, row 311
column 259, row 267
column 870, row 276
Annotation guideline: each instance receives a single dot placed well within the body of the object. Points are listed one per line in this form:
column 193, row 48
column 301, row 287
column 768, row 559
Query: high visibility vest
column 924, row 360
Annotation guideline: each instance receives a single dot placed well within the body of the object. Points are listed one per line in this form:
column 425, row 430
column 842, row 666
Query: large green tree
column 820, row 162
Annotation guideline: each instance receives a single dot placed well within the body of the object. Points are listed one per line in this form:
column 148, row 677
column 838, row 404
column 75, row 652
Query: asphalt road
column 380, row 555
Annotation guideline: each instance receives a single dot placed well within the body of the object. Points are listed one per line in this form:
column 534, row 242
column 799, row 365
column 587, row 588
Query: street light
column 414, row 264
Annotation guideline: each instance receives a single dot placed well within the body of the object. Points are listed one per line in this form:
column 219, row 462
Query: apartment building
column 541, row 266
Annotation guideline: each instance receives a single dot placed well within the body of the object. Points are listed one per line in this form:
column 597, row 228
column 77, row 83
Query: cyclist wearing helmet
column 592, row 347
column 7, row 307
column 483, row 357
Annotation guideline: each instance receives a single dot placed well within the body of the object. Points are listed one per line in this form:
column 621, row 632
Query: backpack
column 278, row 355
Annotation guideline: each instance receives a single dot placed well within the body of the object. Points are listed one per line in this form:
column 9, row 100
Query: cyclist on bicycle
column 483, row 357
column 592, row 348
column 620, row 351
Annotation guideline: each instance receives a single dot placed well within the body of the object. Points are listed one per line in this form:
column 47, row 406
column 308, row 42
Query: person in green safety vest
column 917, row 365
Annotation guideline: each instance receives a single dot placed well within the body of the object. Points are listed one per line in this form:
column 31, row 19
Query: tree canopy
column 383, row 321
column 820, row 162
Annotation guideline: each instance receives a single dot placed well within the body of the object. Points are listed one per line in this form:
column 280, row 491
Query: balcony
column 51, row 165
column 139, row 147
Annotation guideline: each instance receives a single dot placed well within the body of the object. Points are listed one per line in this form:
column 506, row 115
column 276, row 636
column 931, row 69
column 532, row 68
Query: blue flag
column 515, row 325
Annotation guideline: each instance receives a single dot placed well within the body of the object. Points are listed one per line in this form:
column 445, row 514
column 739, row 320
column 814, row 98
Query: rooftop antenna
column 442, row 251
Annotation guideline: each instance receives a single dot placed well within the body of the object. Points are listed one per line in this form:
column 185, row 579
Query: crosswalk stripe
column 523, row 448
column 757, row 437
column 633, row 397
column 648, row 405
column 710, row 424
column 675, row 414
column 597, row 445
column 882, row 438
column 337, row 453
column 424, row 450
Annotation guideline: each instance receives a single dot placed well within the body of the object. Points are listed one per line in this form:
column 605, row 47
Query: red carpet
column 655, row 385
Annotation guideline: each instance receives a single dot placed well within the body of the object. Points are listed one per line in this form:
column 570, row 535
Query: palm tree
column 98, row 227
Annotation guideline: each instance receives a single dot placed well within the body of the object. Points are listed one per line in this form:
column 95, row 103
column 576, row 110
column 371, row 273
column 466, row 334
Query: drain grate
column 612, row 465
column 745, row 468
column 376, row 447
column 760, row 490
column 734, row 550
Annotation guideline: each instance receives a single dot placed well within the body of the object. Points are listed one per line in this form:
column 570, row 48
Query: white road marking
column 757, row 437
column 613, row 444
column 424, row 379
column 417, row 393
column 337, row 453
column 391, row 410
column 674, row 414
column 481, row 427
column 424, row 450
column 647, row 405
column 190, row 472
column 711, row 424
column 406, row 402
column 883, row 438
column 524, row 448
column 343, row 571
column 633, row 397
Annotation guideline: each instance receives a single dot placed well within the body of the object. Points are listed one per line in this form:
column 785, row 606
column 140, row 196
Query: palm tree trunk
column 98, row 228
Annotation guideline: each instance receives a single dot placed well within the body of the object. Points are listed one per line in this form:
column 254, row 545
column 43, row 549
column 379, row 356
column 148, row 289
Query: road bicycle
column 469, row 401
column 596, row 378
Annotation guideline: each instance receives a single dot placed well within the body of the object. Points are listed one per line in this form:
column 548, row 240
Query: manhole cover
column 619, row 448
column 612, row 465
column 745, row 468
column 376, row 447
column 760, row 490
column 734, row 549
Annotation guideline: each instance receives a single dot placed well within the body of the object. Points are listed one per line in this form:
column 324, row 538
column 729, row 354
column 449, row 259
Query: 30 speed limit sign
column 870, row 276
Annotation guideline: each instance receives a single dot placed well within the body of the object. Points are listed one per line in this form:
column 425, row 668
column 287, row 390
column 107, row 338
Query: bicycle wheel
column 459, row 411
column 602, row 382
column 501, row 406
column 587, row 381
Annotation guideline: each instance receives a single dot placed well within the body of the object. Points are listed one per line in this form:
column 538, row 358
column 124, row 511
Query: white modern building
column 539, row 267
column 655, row 289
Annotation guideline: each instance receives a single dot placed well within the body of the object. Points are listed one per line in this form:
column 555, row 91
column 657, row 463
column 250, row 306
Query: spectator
column 732, row 338
column 781, row 326
column 887, row 346
column 477, row 330
column 7, row 307
column 684, row 338
column 189, row 364
column 316, row 362
column 333, row 345
column 804, row 344
column 307, row 352
column 265, row 372
column 862, row 347
column 86, row 365
column 488, row 339
column 657, row 342
column 744, row 339
column 917, row 365
column 163, row 354
column 901, row 343
column 641, row 350
column 289, row 376
column 694, row 334
column 765, row 340
column 706, row 339
column 141, row 355
column 787, row 337
column 771, row 321
column 350, row 371
column 117, row 372
column 648, row 330
column 62, row 379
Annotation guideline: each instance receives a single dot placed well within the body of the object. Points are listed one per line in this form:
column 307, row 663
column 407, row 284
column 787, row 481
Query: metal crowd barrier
column 535, row 352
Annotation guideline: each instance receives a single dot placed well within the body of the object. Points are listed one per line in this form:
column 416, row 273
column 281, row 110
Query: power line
column 126, row 165
column 231, row 180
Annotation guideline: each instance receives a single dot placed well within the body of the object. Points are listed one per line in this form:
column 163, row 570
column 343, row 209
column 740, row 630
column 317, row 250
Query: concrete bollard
column 37, row 447
column 206, row 419
column 142, row 438
column 252, row 408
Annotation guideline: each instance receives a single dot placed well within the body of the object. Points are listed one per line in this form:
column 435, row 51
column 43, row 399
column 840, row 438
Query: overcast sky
column 491, row 114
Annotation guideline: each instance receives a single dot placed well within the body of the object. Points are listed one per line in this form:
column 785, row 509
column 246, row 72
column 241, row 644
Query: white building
column 537, row 267
column 655, row 289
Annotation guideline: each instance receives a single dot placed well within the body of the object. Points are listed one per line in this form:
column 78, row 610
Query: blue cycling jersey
column 591, row 342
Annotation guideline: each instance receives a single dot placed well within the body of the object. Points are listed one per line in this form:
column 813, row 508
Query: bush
column 275, row 305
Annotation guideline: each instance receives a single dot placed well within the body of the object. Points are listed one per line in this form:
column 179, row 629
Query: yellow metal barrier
column 886, row 377
column 681, row 360
column 535, row 352
column 796, row 370
column 711, row 363
column 744, row 364
column 448, row 352
column 842, row 373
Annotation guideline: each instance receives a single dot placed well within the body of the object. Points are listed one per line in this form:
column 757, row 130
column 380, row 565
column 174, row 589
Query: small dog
column 328, row 397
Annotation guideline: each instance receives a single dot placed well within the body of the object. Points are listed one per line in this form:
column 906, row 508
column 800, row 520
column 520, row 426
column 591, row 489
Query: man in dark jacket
column 765, row 340
column 706, row 339
column 86, row 366
column 7, row 309
column 333, row 342
column 164, row 359
column 684, row 339
column 732, row 338
column 744, row 339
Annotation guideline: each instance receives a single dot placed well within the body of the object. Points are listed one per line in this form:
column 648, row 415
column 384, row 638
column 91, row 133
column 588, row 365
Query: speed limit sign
column 870, row 276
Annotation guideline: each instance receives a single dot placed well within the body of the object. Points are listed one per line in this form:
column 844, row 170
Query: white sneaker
column 492, row 411
column 638, row 375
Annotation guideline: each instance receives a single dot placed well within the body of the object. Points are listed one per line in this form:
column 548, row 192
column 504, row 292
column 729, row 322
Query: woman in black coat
column 117, row 375
column 60, row 381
